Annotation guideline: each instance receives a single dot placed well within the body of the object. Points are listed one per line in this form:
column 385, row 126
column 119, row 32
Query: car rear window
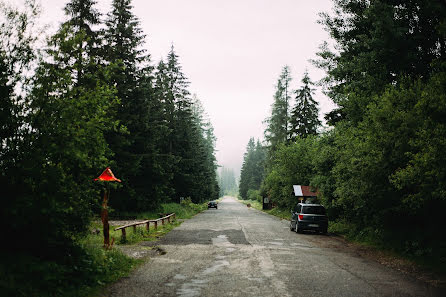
column 320, row 210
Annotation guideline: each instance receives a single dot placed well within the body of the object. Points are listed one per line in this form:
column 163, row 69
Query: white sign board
column 297, row 190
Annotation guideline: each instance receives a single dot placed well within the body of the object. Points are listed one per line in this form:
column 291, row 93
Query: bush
column 254, row 195
column 85, row 269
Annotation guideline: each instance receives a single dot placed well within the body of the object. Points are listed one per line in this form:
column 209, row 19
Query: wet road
column 238, row 251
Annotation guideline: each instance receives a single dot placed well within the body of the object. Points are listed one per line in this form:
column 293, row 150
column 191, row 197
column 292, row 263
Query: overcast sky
column 232, row 51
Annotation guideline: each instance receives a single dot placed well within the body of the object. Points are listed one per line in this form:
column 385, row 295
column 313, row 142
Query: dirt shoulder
column 395, row 262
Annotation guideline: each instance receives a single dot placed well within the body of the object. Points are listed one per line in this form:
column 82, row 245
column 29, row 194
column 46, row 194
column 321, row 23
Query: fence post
column 134, row 228
column 168, row 219
column 148, row 226
column 156, row 225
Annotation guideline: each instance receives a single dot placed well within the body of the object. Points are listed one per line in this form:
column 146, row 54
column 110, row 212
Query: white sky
column 232, row 51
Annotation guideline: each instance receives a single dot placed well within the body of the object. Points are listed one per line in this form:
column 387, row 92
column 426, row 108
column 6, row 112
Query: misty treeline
column 380, row 165
column 227, row 181
column 86, row 98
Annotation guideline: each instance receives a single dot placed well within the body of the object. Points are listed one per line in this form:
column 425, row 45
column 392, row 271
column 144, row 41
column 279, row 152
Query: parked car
column 309, row 217
column 212, row 204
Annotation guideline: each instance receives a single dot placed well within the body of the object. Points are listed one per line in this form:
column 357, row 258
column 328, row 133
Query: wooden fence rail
column 170, row 217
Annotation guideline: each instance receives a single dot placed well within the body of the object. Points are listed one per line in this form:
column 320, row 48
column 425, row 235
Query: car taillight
column 301, row 217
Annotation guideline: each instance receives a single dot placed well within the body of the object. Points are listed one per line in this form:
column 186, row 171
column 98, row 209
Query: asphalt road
column 238, row 251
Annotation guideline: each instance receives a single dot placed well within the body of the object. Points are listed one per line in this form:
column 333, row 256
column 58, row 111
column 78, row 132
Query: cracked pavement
column 239, row 251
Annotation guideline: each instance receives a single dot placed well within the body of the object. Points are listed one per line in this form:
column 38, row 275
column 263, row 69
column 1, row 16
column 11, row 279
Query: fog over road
column 238, row 251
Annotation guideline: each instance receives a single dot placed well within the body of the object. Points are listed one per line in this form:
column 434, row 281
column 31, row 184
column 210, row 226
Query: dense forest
column 379, row 166
column 85, row 98
column 227, row 181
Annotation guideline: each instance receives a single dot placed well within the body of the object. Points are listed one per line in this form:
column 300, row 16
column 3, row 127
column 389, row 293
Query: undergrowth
column 85, row 268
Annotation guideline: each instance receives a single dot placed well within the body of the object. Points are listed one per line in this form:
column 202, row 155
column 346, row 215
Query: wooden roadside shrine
column 106, row 176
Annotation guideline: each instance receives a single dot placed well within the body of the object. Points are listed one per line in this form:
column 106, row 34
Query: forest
column 378, row 164
column 78, row 101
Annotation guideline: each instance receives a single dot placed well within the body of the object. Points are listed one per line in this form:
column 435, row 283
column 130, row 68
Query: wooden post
column 123, row 234
column 148, row 226
column 162, row 221
column 134, row 228
column 168, row 219
column 104, row 218
column 156, row 225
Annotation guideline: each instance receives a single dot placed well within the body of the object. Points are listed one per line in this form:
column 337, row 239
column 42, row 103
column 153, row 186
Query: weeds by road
column 87, row 267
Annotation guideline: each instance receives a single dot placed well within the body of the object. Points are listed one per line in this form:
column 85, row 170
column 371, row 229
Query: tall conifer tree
column 135, row 143
column 68, row 115
column 277, row 124
column 304, row 118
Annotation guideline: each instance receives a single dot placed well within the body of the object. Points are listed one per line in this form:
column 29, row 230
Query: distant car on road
column 309, row 217
column 212, row 204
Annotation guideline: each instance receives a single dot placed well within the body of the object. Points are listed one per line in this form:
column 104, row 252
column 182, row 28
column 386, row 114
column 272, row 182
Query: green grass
column 84, row 269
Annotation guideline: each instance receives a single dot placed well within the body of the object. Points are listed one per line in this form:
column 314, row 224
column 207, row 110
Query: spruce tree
column 277, row 124
column 251, row 175
column 135, row 142
column 247, row 169
column 67, row 119
column 227, row 182
column 85, row 41
column 378, row 43
column 304, row 119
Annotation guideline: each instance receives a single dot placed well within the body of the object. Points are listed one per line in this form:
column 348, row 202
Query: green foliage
column 226, row 181
column 304, row 118
column 87, row 100
column 277, row 124
column 254, row 195
column 252, row 171
column 292, row 166
column 85, row 269
column 376, row 42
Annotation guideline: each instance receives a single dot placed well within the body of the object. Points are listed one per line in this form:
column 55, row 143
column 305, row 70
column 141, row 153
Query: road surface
column 238, row 251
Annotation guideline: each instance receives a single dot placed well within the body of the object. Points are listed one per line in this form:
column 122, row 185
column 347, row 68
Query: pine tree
column 86, row 41
column 304, row 119
column 227, row 182
column 135, row 142
column 378, row 43
column 246, row 172
column 66, row 146
column 277, row 124
column 251, row 175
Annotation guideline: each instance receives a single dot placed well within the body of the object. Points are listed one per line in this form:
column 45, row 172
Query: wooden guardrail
column 147, row 223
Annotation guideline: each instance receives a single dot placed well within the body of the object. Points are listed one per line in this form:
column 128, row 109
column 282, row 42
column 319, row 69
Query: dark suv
column 212, row 204
column 309, row 217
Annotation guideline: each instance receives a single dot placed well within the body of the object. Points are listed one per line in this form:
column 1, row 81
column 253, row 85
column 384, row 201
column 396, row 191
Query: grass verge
column 84, row 268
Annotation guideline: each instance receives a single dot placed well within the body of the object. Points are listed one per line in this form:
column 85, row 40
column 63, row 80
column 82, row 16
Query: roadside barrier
column 170, row 217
